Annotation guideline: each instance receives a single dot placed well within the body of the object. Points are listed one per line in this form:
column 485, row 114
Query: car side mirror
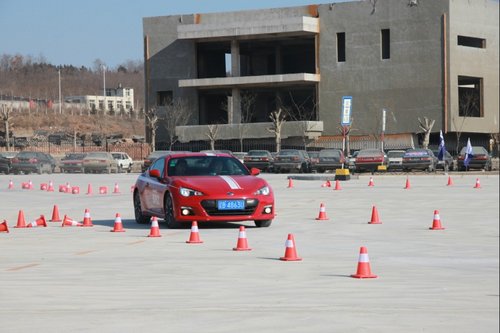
column 254, row 171
column 154, row 173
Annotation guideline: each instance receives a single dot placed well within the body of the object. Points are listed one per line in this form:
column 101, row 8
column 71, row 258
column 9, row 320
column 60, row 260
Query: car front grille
column 210, row 207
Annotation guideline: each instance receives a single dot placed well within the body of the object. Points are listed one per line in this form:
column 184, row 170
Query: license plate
column 230, row 204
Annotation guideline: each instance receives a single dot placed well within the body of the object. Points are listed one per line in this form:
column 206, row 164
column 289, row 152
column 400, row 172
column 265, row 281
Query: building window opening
column 385, row 35
column 470, row 96
column 341, row 47
column 479, row 43
column 164, row 97
column 228, row 64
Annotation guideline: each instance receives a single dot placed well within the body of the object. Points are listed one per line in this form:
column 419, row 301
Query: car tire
column 119, row 169
column 140, row 218
column 168, row 207
column 263, row 223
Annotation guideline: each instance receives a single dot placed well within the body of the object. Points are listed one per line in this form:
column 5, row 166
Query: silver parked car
column 99, row 161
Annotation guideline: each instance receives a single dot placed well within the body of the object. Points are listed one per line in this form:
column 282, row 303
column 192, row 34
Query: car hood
column 221, row 184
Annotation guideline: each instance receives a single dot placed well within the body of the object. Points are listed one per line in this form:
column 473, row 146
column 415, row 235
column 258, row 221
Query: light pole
column 383, row 128
column 60, row 102
column 104, row 86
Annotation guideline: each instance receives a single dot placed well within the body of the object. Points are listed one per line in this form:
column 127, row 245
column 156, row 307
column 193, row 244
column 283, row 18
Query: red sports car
column 202, row 187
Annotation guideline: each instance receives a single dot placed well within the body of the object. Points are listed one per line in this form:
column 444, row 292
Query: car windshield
column 27, row 155
column 206, row 166
column 258, row 153
column 475, row 151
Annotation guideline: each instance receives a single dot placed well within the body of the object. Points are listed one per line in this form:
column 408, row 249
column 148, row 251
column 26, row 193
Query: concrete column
column 235, row 107
column 235, row 58
column 277, row 50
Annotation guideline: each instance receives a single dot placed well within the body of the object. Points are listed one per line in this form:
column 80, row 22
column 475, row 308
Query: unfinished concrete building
column 412, row 58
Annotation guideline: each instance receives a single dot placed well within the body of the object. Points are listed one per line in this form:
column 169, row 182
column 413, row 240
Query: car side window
column 159, row 165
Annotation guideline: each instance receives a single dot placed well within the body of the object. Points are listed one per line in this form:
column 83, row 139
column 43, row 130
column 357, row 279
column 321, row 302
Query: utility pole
column 383, row 128
column 104, row 87
column 60, row 101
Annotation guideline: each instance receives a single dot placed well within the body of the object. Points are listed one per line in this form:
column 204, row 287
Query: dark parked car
column 260, row 159
column 447, row 162
column 329, row 159
column 154, row 155
column 419, row 159
column 480, row 159
column 6, row 161
column 370, row 159
column 292, row 160
column 72, row 162
column 32, row 161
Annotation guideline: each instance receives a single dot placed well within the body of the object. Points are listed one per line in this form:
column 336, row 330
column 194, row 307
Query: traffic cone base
column 155, row 229
column 371, row 183
column 4, row 227
column 436, row 222
column 322, row 213
column 375, row 219
column 11, row 185
column 337, row 185
column 194, row 237
column 364, row 270
column 290, row 250
column 55, row 215
column 118, row 226
column 242, row 244
column 39, row 222
column 327, row 184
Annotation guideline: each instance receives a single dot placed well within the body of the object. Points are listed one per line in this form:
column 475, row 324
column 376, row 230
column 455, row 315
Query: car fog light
column 185, row 212
column 267, row 210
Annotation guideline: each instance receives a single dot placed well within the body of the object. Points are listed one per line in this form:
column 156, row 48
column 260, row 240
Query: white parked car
column 124, row 161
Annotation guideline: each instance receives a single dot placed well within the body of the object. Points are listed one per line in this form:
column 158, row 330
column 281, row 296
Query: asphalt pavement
column 92, row 280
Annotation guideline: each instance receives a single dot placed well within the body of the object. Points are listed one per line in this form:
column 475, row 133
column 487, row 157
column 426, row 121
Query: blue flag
column 468, row 153
column 442, row 148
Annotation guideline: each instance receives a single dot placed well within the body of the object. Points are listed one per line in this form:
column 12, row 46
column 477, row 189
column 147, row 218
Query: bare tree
column 303, row 115
column 247, row 112
column 426, row 127
column 277, row 120
column 467, row 103
column 213, row 134
column 6, row 116
column 152, row 119
column 176, row 114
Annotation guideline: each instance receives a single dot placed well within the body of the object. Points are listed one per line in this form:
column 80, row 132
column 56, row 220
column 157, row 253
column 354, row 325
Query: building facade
column 414, row 59
column 117, row 100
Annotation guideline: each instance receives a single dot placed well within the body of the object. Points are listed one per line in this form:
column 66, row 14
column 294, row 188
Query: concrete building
column 437, row 59
column 118, row 99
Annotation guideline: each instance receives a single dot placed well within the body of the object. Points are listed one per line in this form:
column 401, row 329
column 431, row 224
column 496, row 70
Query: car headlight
column 187, row 192
column 263, row 191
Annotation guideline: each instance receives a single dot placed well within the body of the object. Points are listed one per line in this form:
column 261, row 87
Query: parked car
column 292, row 160
column 370, row 159
column 419, row 159
column 260, row 159
column 181, row 188
column 32, row 161
column 351, row 161
column 53, row 162
column 447, row 163
column 314, row 157
column 99, row 161
column 240, row 155
column 480, row 159
column 124, row 161
column 395, row 159
column 6, row 161
column 329, row 159
column 72, row 162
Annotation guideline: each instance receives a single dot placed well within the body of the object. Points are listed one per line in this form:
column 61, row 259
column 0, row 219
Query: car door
column 154, row 188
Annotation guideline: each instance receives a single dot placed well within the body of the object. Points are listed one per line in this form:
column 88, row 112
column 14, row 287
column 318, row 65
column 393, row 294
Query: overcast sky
column 78, row 32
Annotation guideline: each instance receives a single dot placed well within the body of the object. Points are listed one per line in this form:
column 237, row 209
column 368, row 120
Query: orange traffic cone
column 69, row 222
column 290, row 251
column 363, row 271
column 322, row 212
column 30, row 185
column 155, row 229
column 194, row 237
column 39, row 222
column 21, row 222
column 371, row 183
column 75, row 190
column 327, row 184
column 11, row 185
column 4, row 227
column 118, row 227
column 478, row 184
column 103, row 190
column 242, row 244
column 337, row 185
column 450, row 181
column 89, row 189
column 87, row 221
column 68, row 188
column 51, row 187
column 375, row 218
column 290, row 182
column 55, row 215
column 43, row 186
column 116, row 189
column 407, row 185
column 436, row 222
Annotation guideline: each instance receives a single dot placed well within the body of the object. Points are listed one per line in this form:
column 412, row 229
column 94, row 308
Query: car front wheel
column 263, row 223
column 139, row 216
column 170, row 220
